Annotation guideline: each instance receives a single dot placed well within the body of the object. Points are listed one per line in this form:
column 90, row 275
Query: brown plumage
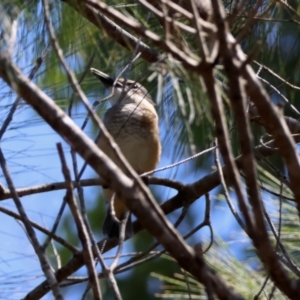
column 133, row 123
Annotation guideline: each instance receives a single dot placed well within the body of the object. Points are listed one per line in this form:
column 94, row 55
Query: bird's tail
column 111, row 228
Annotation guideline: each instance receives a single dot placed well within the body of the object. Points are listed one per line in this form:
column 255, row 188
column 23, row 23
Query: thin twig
column 55, row 225
column 32, row 73
column 45, row 265
column 226, row 193
column 57, row 238
column 81, row 229
column 178, row 163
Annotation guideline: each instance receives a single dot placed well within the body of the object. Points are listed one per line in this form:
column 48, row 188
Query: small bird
column 133, row 123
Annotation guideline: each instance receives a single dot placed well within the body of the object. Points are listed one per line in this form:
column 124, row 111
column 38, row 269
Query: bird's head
column 123, row 89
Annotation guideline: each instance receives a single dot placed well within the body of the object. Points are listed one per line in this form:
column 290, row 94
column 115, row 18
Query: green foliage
column 186, row 121
column 238, row 274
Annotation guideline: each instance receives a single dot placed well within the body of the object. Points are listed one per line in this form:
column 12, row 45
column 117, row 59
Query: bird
column 133, row 123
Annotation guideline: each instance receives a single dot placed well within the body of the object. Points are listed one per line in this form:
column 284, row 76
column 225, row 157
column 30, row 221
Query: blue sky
column 29, row 147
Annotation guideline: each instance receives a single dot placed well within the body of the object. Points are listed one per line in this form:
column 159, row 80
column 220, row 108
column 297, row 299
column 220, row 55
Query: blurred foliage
column 186, row 123
column 246, row 280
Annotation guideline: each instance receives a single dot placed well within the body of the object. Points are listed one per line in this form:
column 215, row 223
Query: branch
column 81, row 228
column 236, row 68
column 48, row 187
column 113, row 30
column 186, row 196
column 136, row 196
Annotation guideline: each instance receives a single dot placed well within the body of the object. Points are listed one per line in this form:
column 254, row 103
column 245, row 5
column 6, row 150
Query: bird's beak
column 105, row 79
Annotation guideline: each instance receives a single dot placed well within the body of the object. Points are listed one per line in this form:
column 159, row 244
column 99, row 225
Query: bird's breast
column 131, row 119
column 135, row 130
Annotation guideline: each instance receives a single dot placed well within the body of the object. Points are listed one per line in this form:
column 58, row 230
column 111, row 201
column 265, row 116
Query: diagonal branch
column 186, row 196
column 235, row 66
column 136, row 196
column 113, row 30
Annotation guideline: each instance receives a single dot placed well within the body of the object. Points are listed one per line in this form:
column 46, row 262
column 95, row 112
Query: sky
column 30, row 149
column 29, row 146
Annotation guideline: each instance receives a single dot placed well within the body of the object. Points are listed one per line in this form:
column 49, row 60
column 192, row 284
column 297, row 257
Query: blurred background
column 186, row 128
